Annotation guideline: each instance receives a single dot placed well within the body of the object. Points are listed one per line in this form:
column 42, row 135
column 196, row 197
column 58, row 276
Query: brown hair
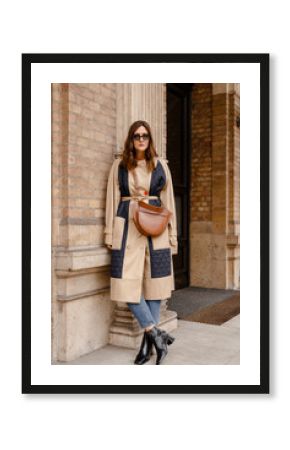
column 129, row 153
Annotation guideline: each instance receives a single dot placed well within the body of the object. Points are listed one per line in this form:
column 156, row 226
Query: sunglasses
column 137, row 137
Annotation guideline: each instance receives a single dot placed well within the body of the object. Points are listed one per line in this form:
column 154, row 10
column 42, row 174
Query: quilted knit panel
column 117, row 256
column 117, row 263
column 160, row 261
column 123, row 209
column 155, row 201
column 123, row 180
column 158, row 179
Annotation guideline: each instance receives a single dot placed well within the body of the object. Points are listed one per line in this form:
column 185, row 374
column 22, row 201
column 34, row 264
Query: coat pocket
column 118, row 231
column 161, row 241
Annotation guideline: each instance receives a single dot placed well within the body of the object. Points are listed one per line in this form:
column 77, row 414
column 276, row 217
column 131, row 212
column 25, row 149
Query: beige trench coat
column 139, row 264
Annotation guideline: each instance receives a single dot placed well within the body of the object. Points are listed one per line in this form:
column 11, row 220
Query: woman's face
column 141, row 138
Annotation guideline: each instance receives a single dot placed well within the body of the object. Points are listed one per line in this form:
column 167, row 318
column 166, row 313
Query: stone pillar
column 226, row 182
column 142, row 101
column 139, row 101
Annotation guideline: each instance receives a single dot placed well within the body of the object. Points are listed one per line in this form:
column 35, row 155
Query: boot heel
column 170, row 339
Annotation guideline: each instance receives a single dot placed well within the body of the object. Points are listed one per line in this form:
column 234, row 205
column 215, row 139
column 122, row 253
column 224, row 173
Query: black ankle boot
column 159, row 339
column 145, row 350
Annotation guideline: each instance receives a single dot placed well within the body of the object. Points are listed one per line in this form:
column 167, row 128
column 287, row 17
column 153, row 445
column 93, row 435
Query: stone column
column 226, row 181
column 142, row 101
column 139, row 101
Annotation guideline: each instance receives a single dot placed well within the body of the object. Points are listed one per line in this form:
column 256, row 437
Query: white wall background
column 130, row 421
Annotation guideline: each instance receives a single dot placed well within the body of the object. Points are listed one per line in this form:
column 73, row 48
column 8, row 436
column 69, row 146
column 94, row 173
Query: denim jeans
column 147, row 312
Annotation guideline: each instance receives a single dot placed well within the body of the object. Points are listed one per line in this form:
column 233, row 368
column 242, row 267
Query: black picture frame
column 123, row 58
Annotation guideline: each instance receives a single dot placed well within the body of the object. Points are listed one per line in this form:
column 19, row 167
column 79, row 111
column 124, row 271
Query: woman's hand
column 173, row 245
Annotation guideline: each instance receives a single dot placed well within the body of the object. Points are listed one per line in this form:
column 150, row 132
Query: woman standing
column 141, row 266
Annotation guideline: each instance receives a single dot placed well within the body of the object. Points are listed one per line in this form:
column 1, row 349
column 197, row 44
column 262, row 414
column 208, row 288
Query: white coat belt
column 139, row 197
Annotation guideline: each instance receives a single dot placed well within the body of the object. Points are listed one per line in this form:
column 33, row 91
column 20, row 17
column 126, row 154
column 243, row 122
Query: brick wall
column 201, row 190
column 83, row 142
column 214, row 131
column 236, row 157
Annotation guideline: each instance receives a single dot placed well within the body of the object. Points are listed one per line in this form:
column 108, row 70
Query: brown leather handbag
column 150, row 220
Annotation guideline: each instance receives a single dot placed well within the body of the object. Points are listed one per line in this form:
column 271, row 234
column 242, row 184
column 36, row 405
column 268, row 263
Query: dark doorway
column 178, row 155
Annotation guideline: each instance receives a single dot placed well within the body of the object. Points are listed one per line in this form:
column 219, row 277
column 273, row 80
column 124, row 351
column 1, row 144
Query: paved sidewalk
column 195, row 343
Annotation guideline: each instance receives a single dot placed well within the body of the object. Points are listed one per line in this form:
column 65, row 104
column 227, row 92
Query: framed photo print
column 145, row 223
